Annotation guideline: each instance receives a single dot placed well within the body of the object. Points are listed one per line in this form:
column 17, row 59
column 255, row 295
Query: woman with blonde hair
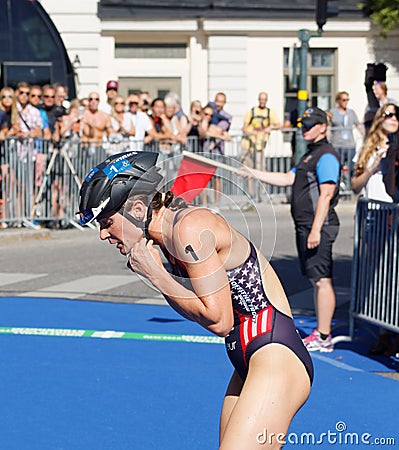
column 9, row 105
column 71, row 123
column 371, row 164
column 10, row 127
column 375, row 174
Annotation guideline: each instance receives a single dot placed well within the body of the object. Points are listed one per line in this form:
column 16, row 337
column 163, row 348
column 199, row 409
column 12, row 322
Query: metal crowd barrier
column 347, row 154
column 347, row 170
column 375, row 270
column 40, row 180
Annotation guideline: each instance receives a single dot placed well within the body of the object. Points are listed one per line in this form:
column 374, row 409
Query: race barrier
column 375, row 270
column 40, row 179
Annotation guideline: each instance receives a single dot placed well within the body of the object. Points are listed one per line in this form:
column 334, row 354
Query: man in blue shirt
column 35, row 98
column 220, row 117
column 315, row 191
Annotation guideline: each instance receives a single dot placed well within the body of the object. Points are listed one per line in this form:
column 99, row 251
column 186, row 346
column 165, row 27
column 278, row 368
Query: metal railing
column 375, row 272
column 40, row 180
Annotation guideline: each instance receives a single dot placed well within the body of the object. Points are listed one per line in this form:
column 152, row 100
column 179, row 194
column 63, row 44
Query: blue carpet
column 64, row 393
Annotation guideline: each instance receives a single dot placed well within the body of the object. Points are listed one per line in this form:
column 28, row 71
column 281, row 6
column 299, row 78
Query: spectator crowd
column 45, row 112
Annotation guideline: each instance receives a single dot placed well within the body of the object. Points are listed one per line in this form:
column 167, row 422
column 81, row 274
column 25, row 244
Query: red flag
column 192, row 178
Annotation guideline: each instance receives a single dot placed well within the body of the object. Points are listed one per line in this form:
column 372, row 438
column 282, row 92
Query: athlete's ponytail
column 169, row 200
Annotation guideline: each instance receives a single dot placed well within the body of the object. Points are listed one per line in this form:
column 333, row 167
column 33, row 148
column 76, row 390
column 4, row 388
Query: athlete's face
column 120, row 232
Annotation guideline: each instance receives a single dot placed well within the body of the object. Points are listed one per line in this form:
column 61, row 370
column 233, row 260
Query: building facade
column 200, row 48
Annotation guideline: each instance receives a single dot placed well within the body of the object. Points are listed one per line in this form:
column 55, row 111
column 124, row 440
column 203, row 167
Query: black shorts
column 317, row 262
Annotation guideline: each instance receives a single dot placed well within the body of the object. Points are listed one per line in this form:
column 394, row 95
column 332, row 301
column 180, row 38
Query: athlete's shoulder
column 195, row 219
column 196, row 233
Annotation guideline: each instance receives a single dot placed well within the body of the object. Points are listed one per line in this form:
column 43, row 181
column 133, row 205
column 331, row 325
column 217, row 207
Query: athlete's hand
column 154, row 253
column 313, row 239
column 144, row 258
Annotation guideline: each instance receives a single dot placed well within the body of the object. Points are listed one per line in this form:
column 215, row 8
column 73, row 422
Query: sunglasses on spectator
column 49, row 96
column 119, row 103
column 389, row 114
column 24, row 92
column 96, row 99
column 35, row 95
column 308, row 127
column 7, row 96
column 133, row 103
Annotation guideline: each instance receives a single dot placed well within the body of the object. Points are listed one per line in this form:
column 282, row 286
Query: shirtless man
column 95, row 122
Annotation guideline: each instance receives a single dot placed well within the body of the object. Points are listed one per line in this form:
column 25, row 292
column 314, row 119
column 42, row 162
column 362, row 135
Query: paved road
column 75, row 264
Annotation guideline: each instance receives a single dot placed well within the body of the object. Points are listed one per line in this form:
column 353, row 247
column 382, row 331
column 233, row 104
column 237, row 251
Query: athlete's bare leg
column 230, row 399
column 276, row 387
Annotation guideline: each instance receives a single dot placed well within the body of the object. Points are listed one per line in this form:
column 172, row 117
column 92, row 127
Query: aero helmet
column 108, row 185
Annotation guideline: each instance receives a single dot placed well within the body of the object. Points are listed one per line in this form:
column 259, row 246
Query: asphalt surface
column 62, row 256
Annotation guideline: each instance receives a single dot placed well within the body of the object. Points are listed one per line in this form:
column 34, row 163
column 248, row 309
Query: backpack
column 257, row 121
column 254, row 141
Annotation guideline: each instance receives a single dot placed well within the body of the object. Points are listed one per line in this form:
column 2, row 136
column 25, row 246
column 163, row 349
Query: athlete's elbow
column 222, row 327
column 220, row 331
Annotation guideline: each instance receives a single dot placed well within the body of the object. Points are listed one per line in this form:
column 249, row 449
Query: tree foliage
column 384, row 13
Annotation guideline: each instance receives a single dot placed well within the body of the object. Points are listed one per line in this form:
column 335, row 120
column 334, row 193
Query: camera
column 375, row 72
column 59, row 111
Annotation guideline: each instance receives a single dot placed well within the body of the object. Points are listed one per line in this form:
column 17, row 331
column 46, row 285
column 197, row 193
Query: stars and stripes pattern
column 246, row 288
column 252, row 309
column 250, row 329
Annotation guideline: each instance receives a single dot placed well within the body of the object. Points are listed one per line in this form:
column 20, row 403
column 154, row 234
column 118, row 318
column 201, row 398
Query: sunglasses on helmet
column 88, row 215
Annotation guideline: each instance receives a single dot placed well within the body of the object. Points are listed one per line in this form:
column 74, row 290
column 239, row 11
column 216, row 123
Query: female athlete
column 218, row 279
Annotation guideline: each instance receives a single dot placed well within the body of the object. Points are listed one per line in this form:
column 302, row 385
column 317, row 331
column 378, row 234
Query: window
column 321, row 91
column 151, row 50
column 156, row 87
column 321, row 58
column 320, row 79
